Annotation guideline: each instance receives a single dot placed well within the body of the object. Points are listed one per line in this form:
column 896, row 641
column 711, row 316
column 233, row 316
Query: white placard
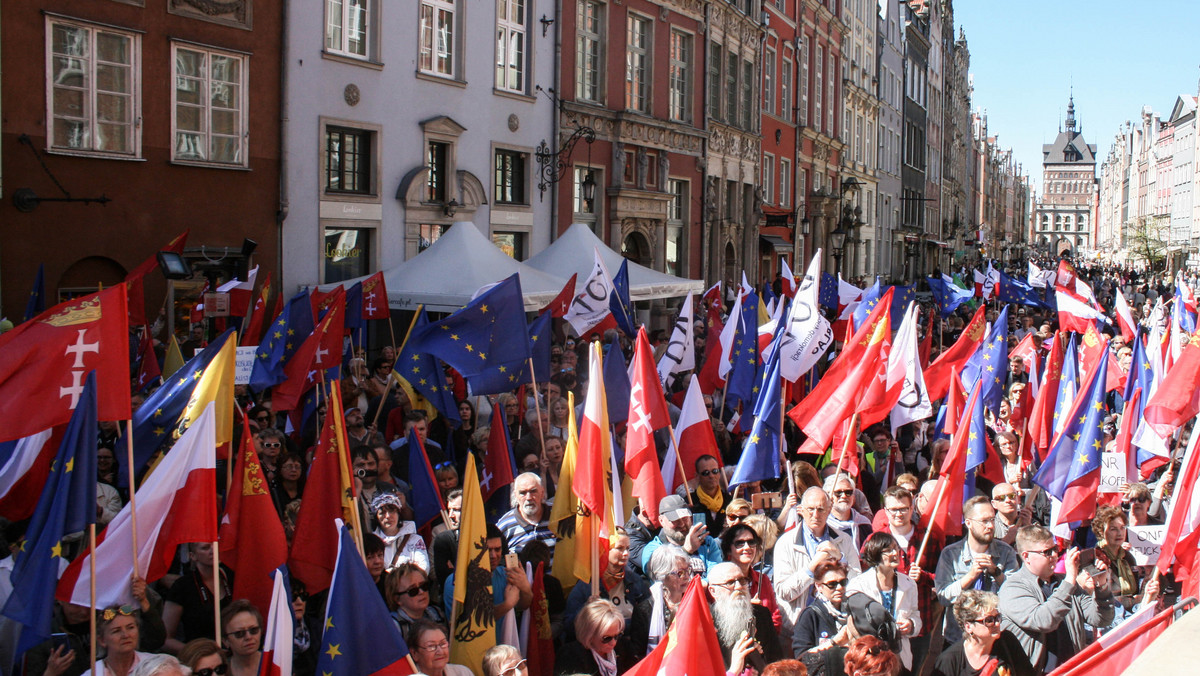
column 1146, row 542
column 244, row 364
column 1112, row 472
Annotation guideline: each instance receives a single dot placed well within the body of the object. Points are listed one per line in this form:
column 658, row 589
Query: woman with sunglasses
column 741, row 545
column 407, row 594
column 241, row 625
column 670, row 568
column 985, row 648
column 504, row 660
column 430, row 645
column 598, row 630
column 1144, row 509
column 824, row 619
column 896, row 593
column 204, row 657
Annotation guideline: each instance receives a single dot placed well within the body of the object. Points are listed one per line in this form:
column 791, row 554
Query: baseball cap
column 673, row 507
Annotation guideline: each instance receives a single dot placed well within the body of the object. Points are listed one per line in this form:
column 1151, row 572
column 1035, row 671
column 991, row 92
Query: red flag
column 176, row 504
column 252, row 539
column 253, row 334
column 956, row 399
column 690, row 646
column 239, row 293
column 695, row 436
column 1091, row 347
column 539, row 653
column 321, row 350
column 148, row 369
column 1177, row 398
column 135, row 296
column 562, row 302
column 24, row 475
column 1041, row 418
column 1116, row 650
column 44, row 361
column 1182, row 539
column 1026, row 350
column 850, row 358
column 328, row 495
column 946, row 516
column 1125, row 436
column 927, row 341
column 498, row 461
column 937, row 375
column 375, row 298
column 647, row 413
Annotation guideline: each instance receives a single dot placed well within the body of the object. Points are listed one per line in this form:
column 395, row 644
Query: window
column 785, row 87
column 346, row 27
column 436, row 157
column 732, row 66
column 637, row 63
column 588, row 61
column 748, row 96
column 510, row 45
column 830, row 100
column 768, row 105
column 731, row 191
column 676, row 218
column 511, row 243
column 210, row 106
column 510, row 177
column 768, row 179
column 428, row 233
column 94, row 93
column 348, row 161
column 681, row 77
column 858, row 138
column 714, row 82
column 819, row 89
column 347, row 253
column 785, row 183
column 803, row 106
column 436, row 52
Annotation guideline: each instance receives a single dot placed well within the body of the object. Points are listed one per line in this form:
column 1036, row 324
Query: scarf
column 713, row 503
column 607, row 665
column 658, row 616
column 838, row 615
column 1124, row 573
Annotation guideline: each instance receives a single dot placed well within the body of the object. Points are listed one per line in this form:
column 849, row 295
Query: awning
column 943, row 245
column 779, row 243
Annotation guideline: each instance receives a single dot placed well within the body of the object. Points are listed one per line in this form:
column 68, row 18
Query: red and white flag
column 1116, row 649
column 1181, row 543
column 24, row 473
column 277, row 635
column 1125, row 318
column 695, row 435
column 239, row 293
column 176, row 504
column 375, row 298
column 788, row 279
column 647, row 413
column 1074, row 312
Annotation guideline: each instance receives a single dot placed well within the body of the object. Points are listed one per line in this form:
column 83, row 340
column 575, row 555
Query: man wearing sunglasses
column 710, row 498
column 1048, row 614
column 979, row 561
column 1010, row 515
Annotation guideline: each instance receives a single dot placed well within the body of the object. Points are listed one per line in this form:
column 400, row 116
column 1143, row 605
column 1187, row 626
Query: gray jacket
column 955, row 562
column 1030, row 615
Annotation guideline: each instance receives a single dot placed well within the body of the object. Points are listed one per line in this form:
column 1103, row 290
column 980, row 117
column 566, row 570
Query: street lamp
column 837, row 240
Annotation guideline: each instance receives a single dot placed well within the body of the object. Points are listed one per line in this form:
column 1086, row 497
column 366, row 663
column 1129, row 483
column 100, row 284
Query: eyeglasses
column 434, row 647
column 1007, row 497
column 242, row 633
column 739, row 544
column 1048, row 553
column 834, row 584
column 732, row 584
column 989, row 620
column 271, row 444
column 111, row 613
column 514, row 669
column 843, row 493
column 219, row 670
column 414, row 590
column 897, row 510
column 611, row 639
column 1141, row 499
column 710, row 472
column 680, row 574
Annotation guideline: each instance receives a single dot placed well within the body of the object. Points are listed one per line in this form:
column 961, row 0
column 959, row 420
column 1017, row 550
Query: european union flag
column 1076, row 451
column 619, row 303
column 67, row 505
column 740, row 382
column 478, row 340
column 539, row 346
column 353, row 319
column 869, row 300
column 947, row 296
column 901, row 297
column 36, row 304
column 1141, row 376
column 977, row 446
column 281, row 340
column 426, row 498
column 156, row 419
column 425, row 373
column 827, row 296
column 760, row 455
column 1018, row 291
column 989, row 364
column 359, row 636
column 1068, row 385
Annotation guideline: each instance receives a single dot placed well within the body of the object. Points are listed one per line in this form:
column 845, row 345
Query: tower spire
column 1071, row 111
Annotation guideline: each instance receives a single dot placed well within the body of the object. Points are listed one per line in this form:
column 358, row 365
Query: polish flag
column 239, row 293
column 789, row 279
column 695, row 435
column 1125, row 318
column 277, row 635
column 728, row 333
column 848, row 298
column 1074, row 313
column 26, row 465
column 177, row 504
column 1180, row 543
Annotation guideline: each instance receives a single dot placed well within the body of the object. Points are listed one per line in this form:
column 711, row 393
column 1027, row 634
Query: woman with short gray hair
column 670, row 568
column 160, row 665
column 984, row 642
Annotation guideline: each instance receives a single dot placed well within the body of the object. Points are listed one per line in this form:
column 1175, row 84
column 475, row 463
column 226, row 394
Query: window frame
column 589, row 80
column 638, row 66
column 243, row 109
column 785, row 84
column 768, row 81
column 785, row 180
column 436, row 7
column 506, row 30
column 767, row 180
column 367, row 138
column 523, row 198
column 92, row 92
column 681, row 55
column 370, row 11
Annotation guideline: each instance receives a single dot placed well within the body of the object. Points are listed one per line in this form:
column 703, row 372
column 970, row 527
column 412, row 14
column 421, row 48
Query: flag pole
column 132, row 492
column 594, row 532
column 217, row 592
column 929, row 526
column 538, row 408
column 679, row 461
column 851, row 440
column 396, row 350
column 92, row 590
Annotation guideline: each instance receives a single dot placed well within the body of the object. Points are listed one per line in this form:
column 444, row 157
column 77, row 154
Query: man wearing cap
column 737, row 619
column 799, row 550
column 677, row 528
column 527, row 520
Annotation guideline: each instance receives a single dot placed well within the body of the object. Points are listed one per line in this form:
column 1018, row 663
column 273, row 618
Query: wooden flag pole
column 850, row 442
column 132, row 492
column 392, row 377
column 929, row 527
column 217, row 592
column 594, row 533
column 92, row 589
column 538, row 408
column 679, row 461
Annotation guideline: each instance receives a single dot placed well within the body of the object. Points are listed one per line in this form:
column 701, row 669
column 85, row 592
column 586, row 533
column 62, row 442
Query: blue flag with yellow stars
column 989, row 364
column 1075, row 455
column 67, row 505
column 36, row 304
column 1141, row 376
column 477, row 340
column 1018, row 291
column 280, row 341
column 828, row 293
column 156, row 419
column 360, row 637
column 741, row 378
column 760, row 455
column 977, row 446
column 870, row 298
column 947, row 296
column 425, row 374
column 901, row 296
column 539, row 346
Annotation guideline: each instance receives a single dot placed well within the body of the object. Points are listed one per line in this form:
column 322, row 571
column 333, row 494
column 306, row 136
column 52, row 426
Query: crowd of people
column 836, row 577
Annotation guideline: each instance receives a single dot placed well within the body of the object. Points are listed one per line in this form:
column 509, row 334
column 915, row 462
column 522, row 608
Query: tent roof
column 573, row 253
column 445, row 276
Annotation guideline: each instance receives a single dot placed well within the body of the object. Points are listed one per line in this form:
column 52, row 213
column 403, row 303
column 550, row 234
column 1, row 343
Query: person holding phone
column 678, row 528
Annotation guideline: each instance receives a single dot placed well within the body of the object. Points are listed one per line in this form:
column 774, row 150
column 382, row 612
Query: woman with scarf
column 741, row 544
column 897, row 593
column 401, row 543
column 823, row 620
column 1109, row 526
column 670, row 570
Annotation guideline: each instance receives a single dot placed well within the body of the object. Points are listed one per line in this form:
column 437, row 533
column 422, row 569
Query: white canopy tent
column 574, row 253
column 445, row 276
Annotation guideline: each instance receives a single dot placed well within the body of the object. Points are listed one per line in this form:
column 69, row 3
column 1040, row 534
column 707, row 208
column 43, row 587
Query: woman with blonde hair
column 598, row 630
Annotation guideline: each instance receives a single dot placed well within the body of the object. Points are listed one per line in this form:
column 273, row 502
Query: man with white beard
column 528, row 518
column 744, row 628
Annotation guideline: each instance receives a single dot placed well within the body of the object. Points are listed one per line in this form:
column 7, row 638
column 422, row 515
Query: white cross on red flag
column 43, row 363
column 647, row 413
column 375, row 300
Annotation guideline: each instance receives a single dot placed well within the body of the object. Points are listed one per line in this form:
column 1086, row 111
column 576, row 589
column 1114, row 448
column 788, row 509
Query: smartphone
column 1087, row 557
column 512, row 561
column 63, row 640
column 700, row 518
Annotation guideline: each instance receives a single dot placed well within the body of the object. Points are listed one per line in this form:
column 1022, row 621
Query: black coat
column 814, row 624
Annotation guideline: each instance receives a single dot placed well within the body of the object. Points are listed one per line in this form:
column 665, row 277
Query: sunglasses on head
column 414, row 590
column 443, row 465
column 219, row 670
column 111, row 613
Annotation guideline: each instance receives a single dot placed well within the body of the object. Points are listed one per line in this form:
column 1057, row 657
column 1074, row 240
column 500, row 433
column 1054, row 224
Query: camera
column 364, row 473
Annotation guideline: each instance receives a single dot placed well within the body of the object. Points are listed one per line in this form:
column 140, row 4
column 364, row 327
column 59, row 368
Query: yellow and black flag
column 473, row 621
